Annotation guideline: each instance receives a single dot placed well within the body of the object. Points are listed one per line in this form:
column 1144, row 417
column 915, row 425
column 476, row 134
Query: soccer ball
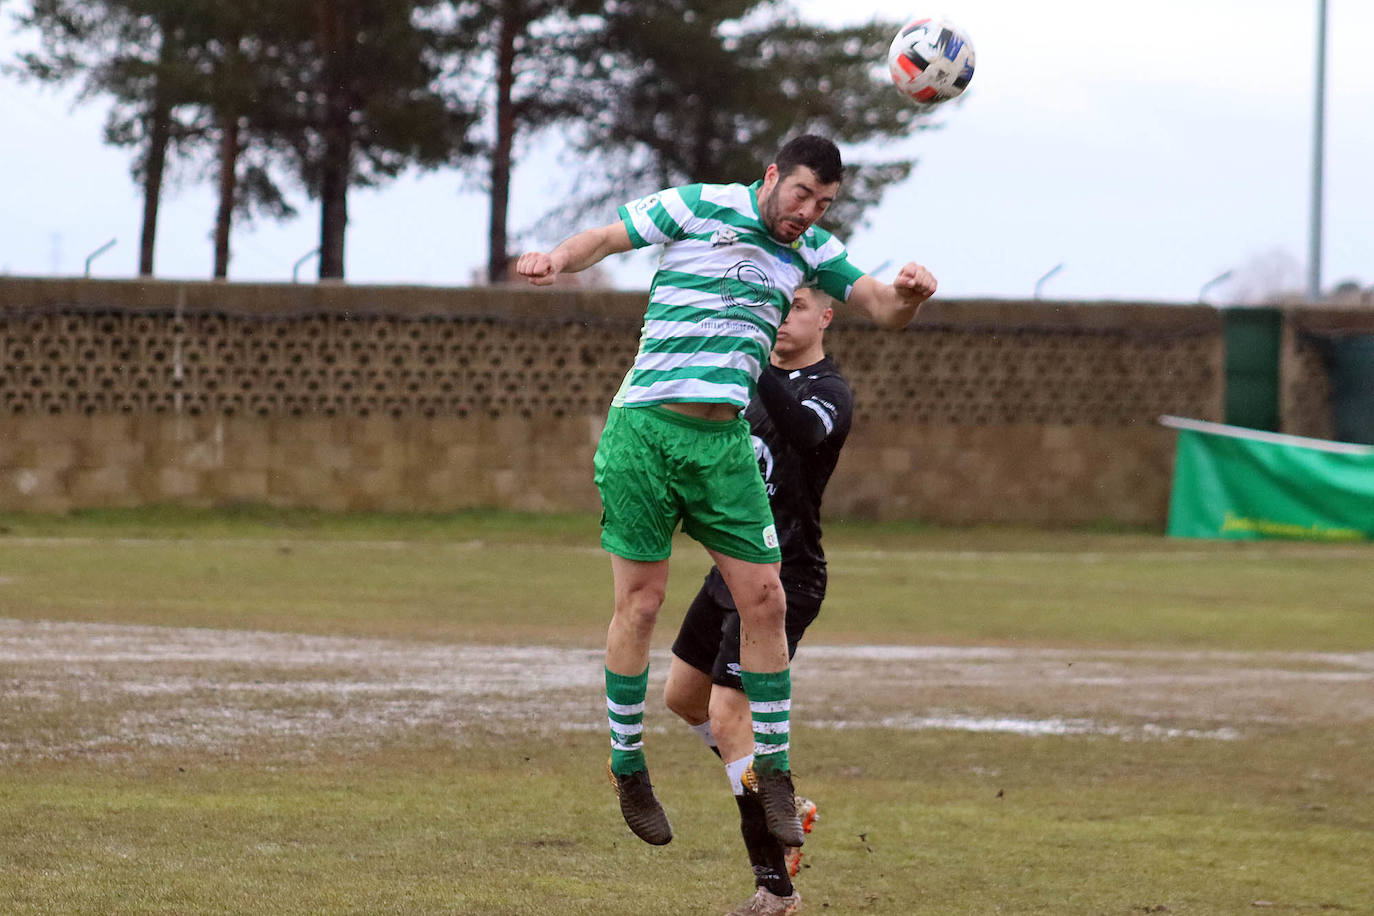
column 931, row 61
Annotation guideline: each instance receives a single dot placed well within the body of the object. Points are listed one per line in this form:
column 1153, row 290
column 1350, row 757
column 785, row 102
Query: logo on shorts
column 770, row 536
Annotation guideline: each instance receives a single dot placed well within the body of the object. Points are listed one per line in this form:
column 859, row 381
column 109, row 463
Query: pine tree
column 677, row 91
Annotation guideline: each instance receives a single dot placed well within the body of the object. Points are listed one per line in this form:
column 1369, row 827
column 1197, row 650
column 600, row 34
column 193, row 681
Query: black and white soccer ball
column 931, row 61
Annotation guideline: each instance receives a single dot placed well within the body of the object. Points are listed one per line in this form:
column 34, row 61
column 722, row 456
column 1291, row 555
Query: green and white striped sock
column 770, row 703
column 625, row 710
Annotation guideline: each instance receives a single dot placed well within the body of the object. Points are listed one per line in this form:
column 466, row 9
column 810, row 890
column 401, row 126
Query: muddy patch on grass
column 1131, row 694
column 83, row 690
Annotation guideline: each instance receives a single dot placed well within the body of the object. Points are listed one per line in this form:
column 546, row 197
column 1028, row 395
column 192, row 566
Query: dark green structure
column 1252, row 338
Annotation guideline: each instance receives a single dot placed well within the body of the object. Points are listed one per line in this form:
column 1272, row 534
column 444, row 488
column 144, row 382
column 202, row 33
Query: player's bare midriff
column 704, row 410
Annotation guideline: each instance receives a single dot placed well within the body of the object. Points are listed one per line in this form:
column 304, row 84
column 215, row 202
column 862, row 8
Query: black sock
column 765, row 852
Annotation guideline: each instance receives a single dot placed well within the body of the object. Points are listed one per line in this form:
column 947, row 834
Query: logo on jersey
column 725, row 235
column 746, row 284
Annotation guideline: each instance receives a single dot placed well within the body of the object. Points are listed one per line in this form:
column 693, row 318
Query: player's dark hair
column 816, row 153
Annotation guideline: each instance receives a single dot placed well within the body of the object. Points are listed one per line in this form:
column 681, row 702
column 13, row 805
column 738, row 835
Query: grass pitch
column 506, row 578
column 932, row 824
column 1109, row 723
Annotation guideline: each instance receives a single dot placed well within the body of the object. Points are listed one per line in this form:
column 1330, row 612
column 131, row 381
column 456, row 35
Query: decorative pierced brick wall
column 339, row 365
column 420, row 398
column 1025, row 411
column 946, row 374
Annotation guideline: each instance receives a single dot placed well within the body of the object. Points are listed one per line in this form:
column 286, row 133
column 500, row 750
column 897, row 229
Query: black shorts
column 709, row 638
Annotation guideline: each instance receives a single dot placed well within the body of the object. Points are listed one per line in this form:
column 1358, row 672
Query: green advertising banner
column 1232, row 482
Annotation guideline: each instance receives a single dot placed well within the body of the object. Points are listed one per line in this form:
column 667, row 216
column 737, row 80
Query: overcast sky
column 1146, row 147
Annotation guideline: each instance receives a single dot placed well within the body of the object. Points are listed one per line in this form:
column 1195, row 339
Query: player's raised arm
column 575, row 253
column 893, row 305
column 799, row 425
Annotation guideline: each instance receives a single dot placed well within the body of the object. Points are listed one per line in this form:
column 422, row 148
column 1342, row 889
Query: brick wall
column 397, row 398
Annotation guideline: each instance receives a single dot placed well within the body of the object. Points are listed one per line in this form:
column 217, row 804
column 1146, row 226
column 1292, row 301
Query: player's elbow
column 809, row 435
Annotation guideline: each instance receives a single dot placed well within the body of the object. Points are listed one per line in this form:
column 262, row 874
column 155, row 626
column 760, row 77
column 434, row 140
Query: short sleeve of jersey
column 833, row 273
column 662, row 217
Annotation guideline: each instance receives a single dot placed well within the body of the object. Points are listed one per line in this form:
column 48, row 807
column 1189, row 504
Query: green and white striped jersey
column 722, row 288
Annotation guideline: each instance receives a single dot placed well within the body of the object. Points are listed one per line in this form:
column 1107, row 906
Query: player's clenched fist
column 915, row 282
column 537, row 267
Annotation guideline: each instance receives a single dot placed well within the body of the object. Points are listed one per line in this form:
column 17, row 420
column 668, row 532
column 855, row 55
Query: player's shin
column 629, row 773
column 770, row 777
column 704, row 732
column 625, row 710
column 770, row 706
column 767, row 856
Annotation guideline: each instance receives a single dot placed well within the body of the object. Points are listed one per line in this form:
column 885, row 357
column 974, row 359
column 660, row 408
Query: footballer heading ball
column 931, row 61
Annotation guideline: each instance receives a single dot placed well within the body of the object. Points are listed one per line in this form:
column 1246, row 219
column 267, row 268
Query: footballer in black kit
column 799, row 420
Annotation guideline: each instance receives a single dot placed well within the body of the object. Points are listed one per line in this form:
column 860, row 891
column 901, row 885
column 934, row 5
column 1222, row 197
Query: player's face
column 790, row 205
column 809, row 317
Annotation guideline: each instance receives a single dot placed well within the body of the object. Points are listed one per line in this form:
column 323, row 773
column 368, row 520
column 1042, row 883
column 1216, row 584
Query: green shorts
column 656, row 467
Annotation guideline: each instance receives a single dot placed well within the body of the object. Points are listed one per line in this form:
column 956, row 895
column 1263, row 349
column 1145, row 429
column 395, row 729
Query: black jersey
column 799, row 420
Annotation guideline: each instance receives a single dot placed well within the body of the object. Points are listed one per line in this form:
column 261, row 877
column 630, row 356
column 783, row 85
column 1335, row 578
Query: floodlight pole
column 1314, row 228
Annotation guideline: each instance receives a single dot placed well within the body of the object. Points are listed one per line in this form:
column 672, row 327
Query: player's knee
column 728, row 708
column 765, row 606
column 639, row 607
column 685, row 703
